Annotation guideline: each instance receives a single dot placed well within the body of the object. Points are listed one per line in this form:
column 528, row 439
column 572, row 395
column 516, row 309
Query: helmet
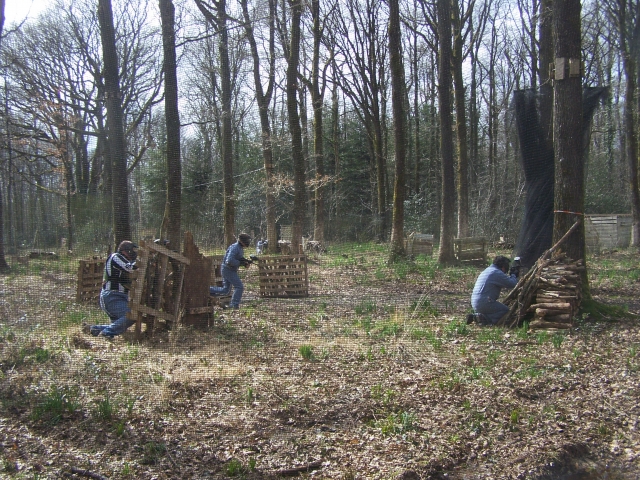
column 127, row 247
column 244, row 239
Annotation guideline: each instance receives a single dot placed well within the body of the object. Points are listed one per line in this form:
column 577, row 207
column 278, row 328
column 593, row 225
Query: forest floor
column 374, row 375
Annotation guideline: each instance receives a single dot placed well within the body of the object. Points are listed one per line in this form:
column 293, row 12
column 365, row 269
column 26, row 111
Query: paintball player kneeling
column 114, row 296
column 484, row 299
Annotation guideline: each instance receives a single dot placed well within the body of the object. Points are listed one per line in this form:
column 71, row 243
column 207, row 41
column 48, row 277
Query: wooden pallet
column 470, row 250
column 156, row 287
column 90, row 273
column 198, row 310
column 283, row 276
column 419, row 244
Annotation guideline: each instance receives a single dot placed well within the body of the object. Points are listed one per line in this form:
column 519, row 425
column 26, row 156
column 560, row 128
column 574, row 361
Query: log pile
column 551, row 290
column 558, row 295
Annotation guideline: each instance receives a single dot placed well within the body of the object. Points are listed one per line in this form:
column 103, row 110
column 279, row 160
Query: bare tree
column 317, row 86
column 568, row 127
column 293, row 60
column 3, row 262
column 216, row 14
column 172, row 118
column 399, row 121
column 447, row 219
column 115, row 128
column 263, row 98
column 626, row 15
column 361, row 46
column 458, row 57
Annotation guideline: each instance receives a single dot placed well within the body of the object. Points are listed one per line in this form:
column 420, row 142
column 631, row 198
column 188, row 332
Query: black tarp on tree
column 538, row 164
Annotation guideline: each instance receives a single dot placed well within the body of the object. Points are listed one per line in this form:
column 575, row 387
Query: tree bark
column 172, row 118
column 115, row 128
column 461, row 126
column 399, row 121
column 568, row 128
column 300, row 195
column 263, row 98
column 447, row 220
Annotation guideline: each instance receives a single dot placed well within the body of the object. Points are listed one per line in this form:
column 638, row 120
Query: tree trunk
column 263, row 98
column 300, row 196
column 461, row 127
column 546, row 84
column 115, row 128
column 629, row 61
column 447, row 220
column 227, row 134
column 317, row 98
column 399, row 120
column 172, row 118
column 568, row 128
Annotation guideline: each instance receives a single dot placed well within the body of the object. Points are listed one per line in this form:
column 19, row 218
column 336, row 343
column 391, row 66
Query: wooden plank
column 169, row 253
column 200, row 310
column 135, row 292
column 143, row 309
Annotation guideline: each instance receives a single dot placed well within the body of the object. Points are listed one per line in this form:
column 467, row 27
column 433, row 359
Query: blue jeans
column 491, row 309
column 230, row 278
column 114, row 304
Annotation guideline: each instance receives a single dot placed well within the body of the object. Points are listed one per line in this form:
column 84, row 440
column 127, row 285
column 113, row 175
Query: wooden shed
column 607, row 231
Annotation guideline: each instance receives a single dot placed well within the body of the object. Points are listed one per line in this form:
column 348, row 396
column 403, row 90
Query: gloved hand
column 245, row 262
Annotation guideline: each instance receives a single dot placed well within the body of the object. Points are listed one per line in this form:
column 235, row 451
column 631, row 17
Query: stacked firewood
column 558, row 295
column 551, row 290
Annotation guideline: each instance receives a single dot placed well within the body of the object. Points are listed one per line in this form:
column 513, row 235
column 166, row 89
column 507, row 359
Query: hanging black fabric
column 538, row 164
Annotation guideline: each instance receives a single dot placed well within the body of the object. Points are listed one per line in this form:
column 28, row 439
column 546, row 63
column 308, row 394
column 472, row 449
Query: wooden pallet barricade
column 197, row 307
column 155, row 292
column 283, row 276
column 419, row 244
column 90, row 273
column 470, row 249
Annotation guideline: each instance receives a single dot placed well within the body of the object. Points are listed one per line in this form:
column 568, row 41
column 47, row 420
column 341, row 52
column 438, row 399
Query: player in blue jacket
column 484, row 299
column 233, row 259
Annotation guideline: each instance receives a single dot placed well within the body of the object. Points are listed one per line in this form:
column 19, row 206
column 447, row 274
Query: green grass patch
column 396, row 423
column 306, row 351
column 387, row 328
column 456, row 328
column 57, row 402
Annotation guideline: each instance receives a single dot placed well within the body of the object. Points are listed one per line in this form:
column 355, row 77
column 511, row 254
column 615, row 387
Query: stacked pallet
column 470, row 250
column 419, row 244
column 283, row 276
column 90, row 273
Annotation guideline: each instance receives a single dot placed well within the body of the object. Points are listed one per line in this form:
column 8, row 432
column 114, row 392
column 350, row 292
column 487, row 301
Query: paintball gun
column 515, row 267
column 245, row 262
